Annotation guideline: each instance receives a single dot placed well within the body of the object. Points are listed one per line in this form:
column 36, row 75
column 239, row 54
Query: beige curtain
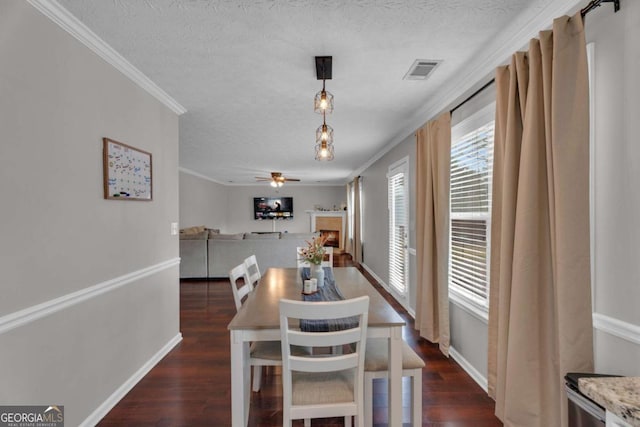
column 432, row 213
column 347, row 240
column 540, row 324
column 357, row 238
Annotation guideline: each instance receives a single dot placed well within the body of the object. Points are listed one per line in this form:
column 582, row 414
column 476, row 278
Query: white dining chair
column 326, row 385
column 376, row 365
column 253, row 271
column 328, row 257
column 261, row 353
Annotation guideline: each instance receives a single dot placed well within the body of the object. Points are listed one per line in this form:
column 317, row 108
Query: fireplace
column 331, row 224
column 332, row 236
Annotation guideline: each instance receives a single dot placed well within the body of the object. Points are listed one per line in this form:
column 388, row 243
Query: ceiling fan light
column 274, row 183
column 323, row 102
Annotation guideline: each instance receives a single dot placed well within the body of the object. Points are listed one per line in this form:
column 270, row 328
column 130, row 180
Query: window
column 398, row 222
column 470, row 208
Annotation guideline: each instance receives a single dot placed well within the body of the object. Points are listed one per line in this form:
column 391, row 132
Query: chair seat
column 318, row 388
column 272, row 350
column 376, row 357
column 376, row 365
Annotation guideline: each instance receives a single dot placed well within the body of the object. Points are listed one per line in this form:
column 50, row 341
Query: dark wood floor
column 191, row 385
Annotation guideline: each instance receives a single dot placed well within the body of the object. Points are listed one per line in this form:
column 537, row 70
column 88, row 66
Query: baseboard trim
column 72, row 25
column 616, row 327
column 35, row 312
column 402, row 301
column 117, row 395
column 469, row 369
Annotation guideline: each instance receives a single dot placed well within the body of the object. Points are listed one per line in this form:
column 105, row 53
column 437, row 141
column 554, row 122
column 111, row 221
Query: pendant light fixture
column 323, row 104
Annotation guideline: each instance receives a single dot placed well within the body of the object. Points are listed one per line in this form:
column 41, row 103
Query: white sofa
column 214, row 255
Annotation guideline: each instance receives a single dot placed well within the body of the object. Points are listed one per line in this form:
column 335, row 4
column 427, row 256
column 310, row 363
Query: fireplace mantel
column 329, row 220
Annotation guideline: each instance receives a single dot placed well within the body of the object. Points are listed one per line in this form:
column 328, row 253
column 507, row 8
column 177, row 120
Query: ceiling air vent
column 421, row 69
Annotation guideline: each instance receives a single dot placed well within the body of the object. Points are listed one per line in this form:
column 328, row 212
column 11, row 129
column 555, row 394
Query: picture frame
column 127, row 172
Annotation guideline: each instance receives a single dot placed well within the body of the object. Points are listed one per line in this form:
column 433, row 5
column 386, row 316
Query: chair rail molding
column 38, row 311
column 619, row 328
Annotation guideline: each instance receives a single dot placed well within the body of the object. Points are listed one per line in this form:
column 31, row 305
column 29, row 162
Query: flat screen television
column 273, row 208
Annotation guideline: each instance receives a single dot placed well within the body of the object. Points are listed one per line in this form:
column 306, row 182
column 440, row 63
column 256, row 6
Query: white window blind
column 398, row 219
column 471, row 173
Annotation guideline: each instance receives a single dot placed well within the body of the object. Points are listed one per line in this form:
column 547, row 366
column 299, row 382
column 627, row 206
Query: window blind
column 398, row 218
column 471, row 172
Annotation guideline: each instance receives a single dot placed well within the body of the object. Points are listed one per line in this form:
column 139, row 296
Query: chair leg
column 416, row 397
column 257, row 377
column 368, row 400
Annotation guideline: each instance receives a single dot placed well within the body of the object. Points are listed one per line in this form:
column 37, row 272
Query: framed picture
column 127, row 172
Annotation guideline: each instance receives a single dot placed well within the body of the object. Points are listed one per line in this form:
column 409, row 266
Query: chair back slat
column 330, row 363
column 326, row 339
column 253, row 271
column 240, row 284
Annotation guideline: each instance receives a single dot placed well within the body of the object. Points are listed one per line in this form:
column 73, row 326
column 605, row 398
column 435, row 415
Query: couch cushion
column 193, row 230
column 304, row 236
column 261, row 236
column 237, row 236
column 203, row 235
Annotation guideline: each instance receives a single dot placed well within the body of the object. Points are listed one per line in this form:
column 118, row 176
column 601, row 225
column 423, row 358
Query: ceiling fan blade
column 292, row 179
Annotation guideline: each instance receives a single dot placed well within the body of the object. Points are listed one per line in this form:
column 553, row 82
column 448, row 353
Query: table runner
column 328, row 292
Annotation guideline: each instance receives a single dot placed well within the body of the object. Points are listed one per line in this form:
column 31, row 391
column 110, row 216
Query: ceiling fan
column 276, row 179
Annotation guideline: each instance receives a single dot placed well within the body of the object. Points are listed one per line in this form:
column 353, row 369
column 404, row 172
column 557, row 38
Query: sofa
column 209, row 254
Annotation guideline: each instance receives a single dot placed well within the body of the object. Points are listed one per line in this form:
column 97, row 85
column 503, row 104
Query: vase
column 318, row 272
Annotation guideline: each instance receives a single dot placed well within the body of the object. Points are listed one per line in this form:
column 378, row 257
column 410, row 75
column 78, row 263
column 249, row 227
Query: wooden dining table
column 258, row 320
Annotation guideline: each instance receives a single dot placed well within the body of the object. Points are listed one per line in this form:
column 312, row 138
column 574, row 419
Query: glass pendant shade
column 324, row 133
column 324, row 151
column 323, row 102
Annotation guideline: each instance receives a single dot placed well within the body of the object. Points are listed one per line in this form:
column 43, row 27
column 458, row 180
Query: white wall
column 240, row 206
column 617, row 200
column 202, row 202
column 375, row 220
column 61, row 240
column 230, row 207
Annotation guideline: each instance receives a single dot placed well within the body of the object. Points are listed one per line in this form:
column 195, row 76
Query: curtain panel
column 357, row 220
column 433, row 143
column 540, row 321
column 348, row 247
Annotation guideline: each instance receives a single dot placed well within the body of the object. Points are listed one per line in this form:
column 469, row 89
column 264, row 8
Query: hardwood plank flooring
column 191, row 385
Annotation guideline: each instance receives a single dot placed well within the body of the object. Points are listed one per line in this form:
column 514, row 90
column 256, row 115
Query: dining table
column 258, row 320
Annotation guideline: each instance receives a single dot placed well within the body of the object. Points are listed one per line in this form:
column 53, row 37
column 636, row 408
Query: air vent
column 421, row 69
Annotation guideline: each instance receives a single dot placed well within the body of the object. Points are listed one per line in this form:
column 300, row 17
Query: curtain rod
column 592, row 5
column 596, row 3
column 470, row 97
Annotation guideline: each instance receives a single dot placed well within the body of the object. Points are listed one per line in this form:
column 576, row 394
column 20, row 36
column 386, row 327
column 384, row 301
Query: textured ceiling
column 245, row 71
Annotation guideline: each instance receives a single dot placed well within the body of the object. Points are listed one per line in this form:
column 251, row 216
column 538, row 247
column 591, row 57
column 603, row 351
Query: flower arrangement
column 314, row 252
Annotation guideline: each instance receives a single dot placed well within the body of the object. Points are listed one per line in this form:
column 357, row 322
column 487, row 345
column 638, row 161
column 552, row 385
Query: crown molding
column 199, row 175
column 254, row 184
column 72, row 25
column 479, row 70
